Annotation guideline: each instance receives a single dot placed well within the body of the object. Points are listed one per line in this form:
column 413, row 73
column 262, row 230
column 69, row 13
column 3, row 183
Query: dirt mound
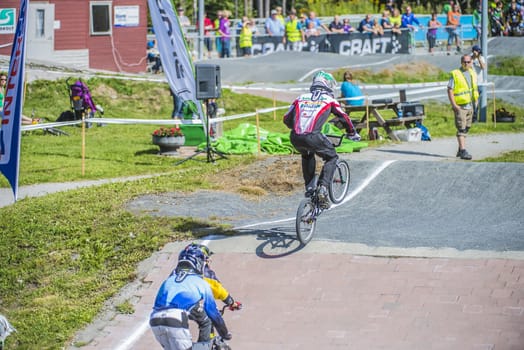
column 272, row 175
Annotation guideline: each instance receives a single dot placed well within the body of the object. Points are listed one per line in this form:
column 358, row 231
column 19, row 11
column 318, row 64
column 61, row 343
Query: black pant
column 198, row 315
column 315, row 143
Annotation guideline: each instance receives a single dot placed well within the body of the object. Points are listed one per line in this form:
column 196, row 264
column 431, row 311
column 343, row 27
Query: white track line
column 366, row 182
column 142, row 328
column 134, row 336
column 359, row 189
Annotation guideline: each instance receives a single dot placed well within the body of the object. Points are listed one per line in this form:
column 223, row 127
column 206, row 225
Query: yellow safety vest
column 462, row 92
column 246, row 37
column 292, row 32
column 217, row 25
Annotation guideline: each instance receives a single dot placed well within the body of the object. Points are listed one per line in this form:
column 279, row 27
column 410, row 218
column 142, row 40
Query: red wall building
column 105, row 35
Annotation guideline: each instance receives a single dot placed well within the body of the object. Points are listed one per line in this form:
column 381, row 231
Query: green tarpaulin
column 243, row 140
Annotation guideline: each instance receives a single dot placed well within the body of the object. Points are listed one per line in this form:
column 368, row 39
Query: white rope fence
column 429, row 91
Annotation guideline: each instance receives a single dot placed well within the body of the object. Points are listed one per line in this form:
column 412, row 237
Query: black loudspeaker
column 207, row 81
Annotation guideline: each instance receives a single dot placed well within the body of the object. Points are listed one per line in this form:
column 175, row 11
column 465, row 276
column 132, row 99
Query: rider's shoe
column 309, row 192
column 323, row 197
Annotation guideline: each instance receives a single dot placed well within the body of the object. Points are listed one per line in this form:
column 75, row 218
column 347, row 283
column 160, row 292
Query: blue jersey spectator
column 409, row 20
column 317, row 23
column 366, row 25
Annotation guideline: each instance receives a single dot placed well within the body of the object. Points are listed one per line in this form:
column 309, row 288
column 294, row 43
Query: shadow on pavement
column 276, row 242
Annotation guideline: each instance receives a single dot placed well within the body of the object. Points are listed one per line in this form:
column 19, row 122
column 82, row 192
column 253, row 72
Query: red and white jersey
column 310, row 111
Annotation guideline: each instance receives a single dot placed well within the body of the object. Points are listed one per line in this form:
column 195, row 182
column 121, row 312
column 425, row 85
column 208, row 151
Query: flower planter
column 168, row 144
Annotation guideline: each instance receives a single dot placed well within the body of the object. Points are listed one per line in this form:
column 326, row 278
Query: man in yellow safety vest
column 463, row 95
column 294, row 32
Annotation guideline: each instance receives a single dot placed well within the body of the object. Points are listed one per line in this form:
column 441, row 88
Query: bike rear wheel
column 306, row 221
column 339, row 184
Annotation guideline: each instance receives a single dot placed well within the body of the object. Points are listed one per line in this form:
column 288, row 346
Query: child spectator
column 347, row 26
column 246, row 38
column 433, row 26
column 311, row 30
column 377, row 28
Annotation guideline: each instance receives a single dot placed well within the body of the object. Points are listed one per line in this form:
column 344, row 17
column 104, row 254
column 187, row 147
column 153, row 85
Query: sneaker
column 309, row 193
column 323, row 197
column 463, row 154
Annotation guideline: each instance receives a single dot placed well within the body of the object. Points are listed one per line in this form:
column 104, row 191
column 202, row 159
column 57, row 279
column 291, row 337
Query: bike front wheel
column 339, row 185
column 306, row 221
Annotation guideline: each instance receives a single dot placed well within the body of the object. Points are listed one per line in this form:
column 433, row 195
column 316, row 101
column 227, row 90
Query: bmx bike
column 310, row 208
column 217, row 342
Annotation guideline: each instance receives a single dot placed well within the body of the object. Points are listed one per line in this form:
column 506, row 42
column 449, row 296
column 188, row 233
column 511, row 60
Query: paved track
column 437, row 264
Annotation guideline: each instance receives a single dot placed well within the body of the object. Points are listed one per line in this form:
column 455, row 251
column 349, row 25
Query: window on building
column 100, row 16
column 40, row 23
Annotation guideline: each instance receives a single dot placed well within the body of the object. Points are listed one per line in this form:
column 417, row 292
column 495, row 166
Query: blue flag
column 12, row 109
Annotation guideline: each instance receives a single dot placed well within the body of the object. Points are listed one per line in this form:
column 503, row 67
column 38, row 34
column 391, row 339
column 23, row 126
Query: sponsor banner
column 127, row 16
column 12, row 108
column 176, row 61
column 349, row 44
column 7, row 21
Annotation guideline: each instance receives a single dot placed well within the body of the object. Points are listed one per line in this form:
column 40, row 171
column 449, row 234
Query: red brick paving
column 342, row 301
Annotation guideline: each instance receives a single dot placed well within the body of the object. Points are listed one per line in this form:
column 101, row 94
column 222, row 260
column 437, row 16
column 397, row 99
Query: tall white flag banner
column 176, row 61
column 12, row 109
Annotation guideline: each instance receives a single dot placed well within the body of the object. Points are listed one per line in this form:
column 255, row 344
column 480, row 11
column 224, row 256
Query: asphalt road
column 421, row 254
column 408, row 205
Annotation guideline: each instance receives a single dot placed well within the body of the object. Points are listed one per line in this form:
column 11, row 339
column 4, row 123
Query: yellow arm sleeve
column 219, row 292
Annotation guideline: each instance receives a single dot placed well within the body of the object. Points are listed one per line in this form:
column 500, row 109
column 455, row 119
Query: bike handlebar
column 336, row 140
column 235, row 306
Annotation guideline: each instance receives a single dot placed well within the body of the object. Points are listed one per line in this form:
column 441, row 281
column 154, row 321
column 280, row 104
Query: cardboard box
column 409, row 135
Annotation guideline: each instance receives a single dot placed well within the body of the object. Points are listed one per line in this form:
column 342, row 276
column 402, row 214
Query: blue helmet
column 204, row 248
column 191, row 260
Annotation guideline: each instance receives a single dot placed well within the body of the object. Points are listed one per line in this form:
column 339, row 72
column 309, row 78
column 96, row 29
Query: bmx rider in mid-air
column 306, row 117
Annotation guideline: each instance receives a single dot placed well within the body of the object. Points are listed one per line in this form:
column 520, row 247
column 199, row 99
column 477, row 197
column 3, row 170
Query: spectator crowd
column 293, row 28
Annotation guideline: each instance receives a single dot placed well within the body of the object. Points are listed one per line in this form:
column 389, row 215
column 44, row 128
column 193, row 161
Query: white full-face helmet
column 324, row 81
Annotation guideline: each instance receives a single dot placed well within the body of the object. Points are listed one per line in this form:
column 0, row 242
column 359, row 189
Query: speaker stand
column 209, row 150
